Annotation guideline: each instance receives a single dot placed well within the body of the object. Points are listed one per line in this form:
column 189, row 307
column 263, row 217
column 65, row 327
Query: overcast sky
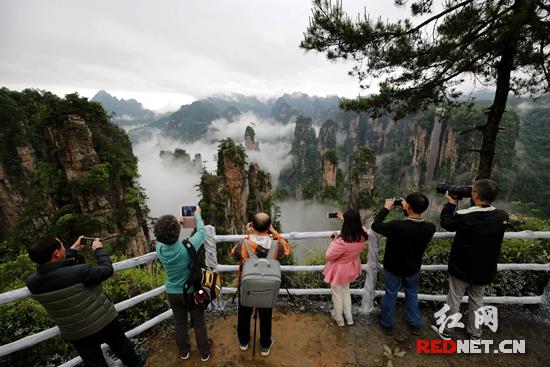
column 168, row 53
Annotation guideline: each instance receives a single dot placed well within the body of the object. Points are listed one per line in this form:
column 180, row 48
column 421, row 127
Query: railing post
column 546, row 300
column 211, row 258
column 367, row 303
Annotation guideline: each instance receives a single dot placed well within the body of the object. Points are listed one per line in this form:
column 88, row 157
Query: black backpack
column 205, row 281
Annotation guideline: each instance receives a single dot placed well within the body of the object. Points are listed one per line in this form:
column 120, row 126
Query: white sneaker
column 265, row 351
column 338, row 322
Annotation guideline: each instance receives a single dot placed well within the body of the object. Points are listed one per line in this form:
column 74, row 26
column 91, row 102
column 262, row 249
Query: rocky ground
column 305, row 335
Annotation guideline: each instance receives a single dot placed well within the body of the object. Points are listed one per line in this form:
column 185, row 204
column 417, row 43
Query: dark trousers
column 387, row 303
column 89, row 347
column 181, row 305
column 243, row 325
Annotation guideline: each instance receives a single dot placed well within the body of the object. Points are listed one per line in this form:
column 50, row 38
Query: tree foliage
column 502, row 43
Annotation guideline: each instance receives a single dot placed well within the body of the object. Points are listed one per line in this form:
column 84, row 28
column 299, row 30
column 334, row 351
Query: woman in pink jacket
column 343, row 264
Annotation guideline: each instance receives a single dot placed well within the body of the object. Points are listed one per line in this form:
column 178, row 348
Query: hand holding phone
column 87, row 241
column 188, row 210
column 332, row 215
column 188, row 216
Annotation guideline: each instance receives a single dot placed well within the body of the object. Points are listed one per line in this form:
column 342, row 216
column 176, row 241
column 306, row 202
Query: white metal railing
column 368, row 292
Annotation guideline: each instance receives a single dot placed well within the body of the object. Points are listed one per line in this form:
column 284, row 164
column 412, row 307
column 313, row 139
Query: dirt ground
column 310, row 338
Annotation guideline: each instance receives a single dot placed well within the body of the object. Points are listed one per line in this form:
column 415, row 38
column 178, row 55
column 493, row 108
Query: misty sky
column 168, row 53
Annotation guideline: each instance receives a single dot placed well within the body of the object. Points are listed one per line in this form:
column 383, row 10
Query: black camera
column 397, row 202
column 459, row 192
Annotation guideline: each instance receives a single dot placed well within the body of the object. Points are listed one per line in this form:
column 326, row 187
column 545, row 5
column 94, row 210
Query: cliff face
column 72, row 173
column 327, row 137
column 329, row 171
column 303, row 177
column 234, row 194
column 432, row 146
column 259, row 191
column 361, row 173
column 250, row 139
column 233, row 172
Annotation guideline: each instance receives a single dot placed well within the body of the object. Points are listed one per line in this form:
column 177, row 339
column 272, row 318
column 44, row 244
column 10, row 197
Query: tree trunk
column 494, row 116
column 496, row 111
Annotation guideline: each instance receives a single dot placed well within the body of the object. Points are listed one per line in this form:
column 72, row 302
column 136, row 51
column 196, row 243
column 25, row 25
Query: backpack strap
column 272, row 253
column 251, row 253
column 195, row 274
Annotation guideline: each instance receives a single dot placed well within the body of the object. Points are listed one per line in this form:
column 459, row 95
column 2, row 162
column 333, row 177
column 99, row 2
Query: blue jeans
column 387, row 304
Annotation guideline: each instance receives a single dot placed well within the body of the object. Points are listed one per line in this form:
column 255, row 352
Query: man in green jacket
column 70, row 291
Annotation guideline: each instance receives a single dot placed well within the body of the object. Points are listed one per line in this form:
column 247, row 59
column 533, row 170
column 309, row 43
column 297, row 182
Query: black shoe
column 414, row 329
column 210, row 349
column 387, row 330
column 264, row 351
column 443, row 335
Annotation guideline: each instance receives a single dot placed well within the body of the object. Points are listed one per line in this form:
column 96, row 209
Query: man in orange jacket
column 260, row 235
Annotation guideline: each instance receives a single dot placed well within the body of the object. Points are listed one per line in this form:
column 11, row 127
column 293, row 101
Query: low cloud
column 169, row 186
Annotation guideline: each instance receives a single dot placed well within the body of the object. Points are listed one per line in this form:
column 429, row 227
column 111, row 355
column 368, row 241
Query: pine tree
column 500, row 43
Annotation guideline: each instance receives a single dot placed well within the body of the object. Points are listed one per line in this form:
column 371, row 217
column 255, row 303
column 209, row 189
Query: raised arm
column 95, row 274
column 283, row 248
column 449, row 219
column 198, row 237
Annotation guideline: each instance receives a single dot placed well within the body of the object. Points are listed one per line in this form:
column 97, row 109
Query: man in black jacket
column 71, row 293
column 407, row 241
column 474, row 252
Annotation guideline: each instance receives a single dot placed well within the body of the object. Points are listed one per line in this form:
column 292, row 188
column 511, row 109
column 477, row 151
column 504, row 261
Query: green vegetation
column 503, row 44
column 305, row 173
column 249, row 131
column 27, row 317
column 58, row 195
column 533, row 176
column 190, row 122
column 228, row 150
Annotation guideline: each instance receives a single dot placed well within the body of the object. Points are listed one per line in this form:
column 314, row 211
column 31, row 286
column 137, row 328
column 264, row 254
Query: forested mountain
column 416, row 151
column 66, row 169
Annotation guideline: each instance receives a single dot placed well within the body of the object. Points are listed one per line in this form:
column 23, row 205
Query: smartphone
column 332, row 215
column 397, row 202
column 188, row 214
column 188, row 210
column 86, row 241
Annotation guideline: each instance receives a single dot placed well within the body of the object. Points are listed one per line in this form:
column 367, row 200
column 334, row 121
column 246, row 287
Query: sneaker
column 443, row 335
column 349, row 322
column 243, row 346
column 338, row 322
column 210, row 349
column 264, row 351
column 414, row 329
column 387, row 330
column 185, row 356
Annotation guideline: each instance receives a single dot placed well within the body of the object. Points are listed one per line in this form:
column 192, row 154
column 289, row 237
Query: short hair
column 418, row 202
column 261, row 222
column 167, row 229
column 42, row 249
column 486, row 188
